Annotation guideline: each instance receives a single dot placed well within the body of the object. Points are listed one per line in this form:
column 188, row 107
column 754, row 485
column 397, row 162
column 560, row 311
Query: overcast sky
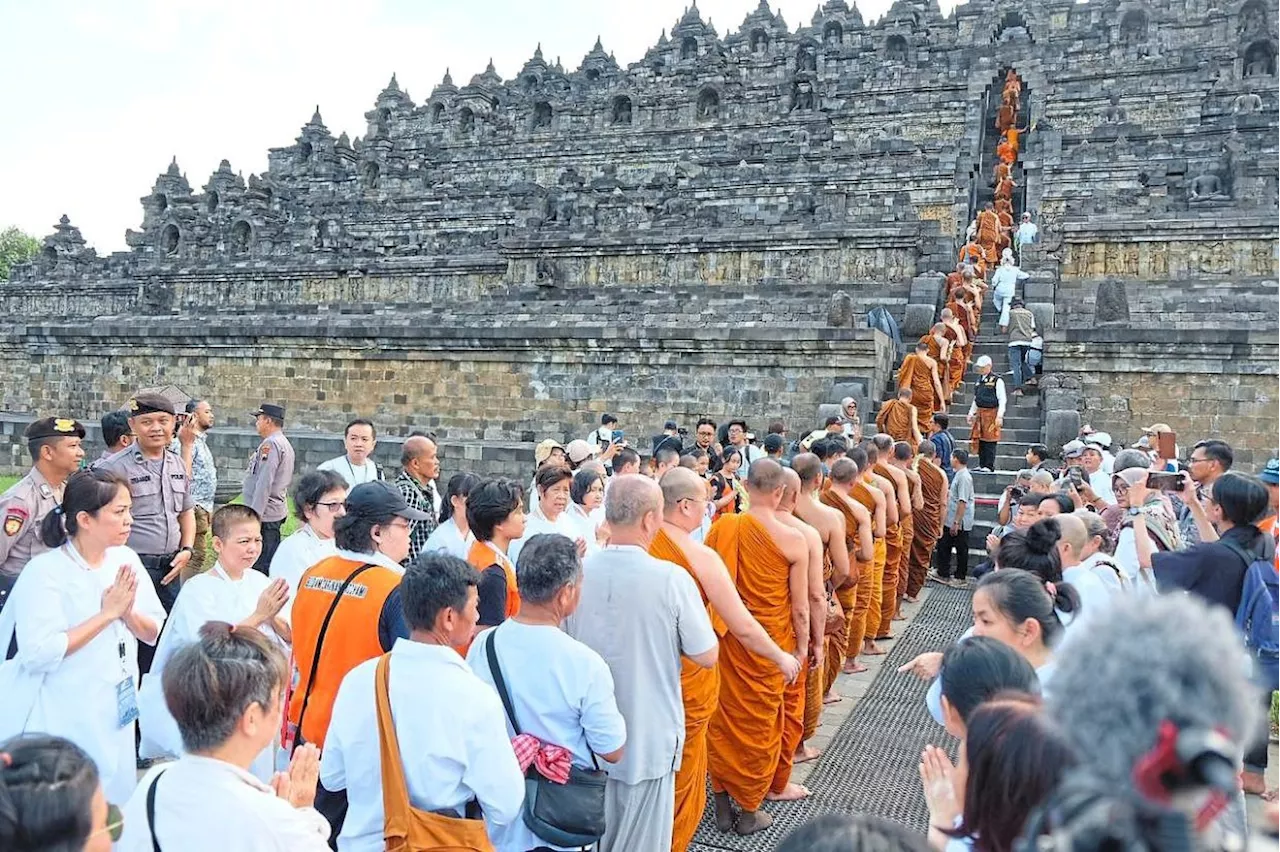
column 99, row 96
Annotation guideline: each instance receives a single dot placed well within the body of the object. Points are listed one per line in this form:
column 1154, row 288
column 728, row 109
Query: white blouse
column 212, row 596
column 294, row 556
column 449, row 538
column 74, row 695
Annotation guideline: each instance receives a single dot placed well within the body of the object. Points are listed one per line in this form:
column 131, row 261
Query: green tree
column 15, row 248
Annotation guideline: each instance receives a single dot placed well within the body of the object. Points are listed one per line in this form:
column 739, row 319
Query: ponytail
column 47, row 786
column 1020, row 595
column 86, row 491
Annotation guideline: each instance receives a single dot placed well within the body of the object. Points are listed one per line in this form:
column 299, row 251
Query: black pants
column 157, row 566
column 270, row 541
column 987, row 454
column 960, row 543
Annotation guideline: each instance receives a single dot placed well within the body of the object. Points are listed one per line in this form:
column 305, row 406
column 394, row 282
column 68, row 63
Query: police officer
column 54, row 444
column 266, row 484
column 164, row 522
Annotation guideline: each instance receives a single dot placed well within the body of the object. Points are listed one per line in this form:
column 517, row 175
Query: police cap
column 276, row 412
column 149, row 403
column 54, row 427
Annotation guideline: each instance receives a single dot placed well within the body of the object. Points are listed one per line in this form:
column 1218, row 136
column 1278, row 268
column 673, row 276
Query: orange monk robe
column 1001, row 172
column 896, row 417
column 744, row 740
column 1006, row 220
column 814, row 688
column 928, row 524
column 846, row 594
column 973, row 254
column 700, row 689
column 893, row 543
column 988, row 233
column 1007, row 153
column 1004, row 117
column 954, row 280
column 915, row 374
column 1004, row 190
column 870, row 591
column 957, row 363
column 944, row 376
column 1011, row 136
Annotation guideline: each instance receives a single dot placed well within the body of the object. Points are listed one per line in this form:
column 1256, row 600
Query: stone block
column 1038, row 289
column 1044, row 314
column 1060, row 426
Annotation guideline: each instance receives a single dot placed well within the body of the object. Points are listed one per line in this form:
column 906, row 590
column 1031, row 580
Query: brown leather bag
column 835, row 614
column 406, row 828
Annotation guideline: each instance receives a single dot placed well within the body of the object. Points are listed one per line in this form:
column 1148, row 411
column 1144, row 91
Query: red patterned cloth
column 552, row 761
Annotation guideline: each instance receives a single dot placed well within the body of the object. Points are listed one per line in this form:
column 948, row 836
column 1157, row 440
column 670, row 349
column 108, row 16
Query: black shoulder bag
column 569, row 814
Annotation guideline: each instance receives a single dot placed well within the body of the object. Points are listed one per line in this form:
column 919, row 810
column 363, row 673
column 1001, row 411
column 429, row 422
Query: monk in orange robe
column 897, row 545
column 928, row 519
column 864, row 491
column 899, row 418
column 988, row 232
column 891, row 538
column 902, row 457
column 973, row 254
column 1001, row 172
column 920, row 373
column 1012, row 136
column 940, row 351
column 803, row 701
column 1005, row 117
column 959, row 360
column 1005, row 190
column 854, row 593
column 684, row 498
column 955, row 277
column 769, row 562
column 1008, row 153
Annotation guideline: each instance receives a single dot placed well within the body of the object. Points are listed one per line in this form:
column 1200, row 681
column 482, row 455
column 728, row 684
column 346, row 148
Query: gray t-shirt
column 961, row 489
column 641, row 615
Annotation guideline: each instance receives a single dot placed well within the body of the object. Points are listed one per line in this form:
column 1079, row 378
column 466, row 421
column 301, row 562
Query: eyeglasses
column 404, row 526
column 115, row 824
column 1193, row 460
column 334, row 505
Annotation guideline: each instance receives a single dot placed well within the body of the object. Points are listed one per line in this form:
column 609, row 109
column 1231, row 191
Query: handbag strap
column 500, row 683
column 324, row 629
column 151, row 810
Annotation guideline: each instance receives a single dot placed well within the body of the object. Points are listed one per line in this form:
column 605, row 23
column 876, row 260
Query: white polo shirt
column 453, row 743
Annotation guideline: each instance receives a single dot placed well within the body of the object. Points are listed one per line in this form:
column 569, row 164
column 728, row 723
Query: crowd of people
column 650, row 624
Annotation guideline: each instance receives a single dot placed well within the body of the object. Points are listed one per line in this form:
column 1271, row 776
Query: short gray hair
column 631, row 497
column 211, row 683
column 1131, row 458
column 548, row 562
column 1166, row 657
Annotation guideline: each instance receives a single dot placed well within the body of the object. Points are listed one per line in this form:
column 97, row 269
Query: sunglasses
column 115, row 824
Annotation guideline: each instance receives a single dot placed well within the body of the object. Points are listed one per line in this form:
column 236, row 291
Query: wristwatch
column 1133, row 512
column 186, row 549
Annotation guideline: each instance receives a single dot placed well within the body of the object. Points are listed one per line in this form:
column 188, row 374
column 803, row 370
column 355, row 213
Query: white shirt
column 1141, row 581
column 1027, row 232
column 1005, row 279
column 208, row 805
column 587, row 523
column 294, row 556
column 46, row 689
column 536, row 523
column 641, row 615
column 449, row 539
column 453, row 736
column 1105, row 574
column 1095, row 596
column 562, row 692
column 1100, row 482
column 353, row 474
column 212, row 596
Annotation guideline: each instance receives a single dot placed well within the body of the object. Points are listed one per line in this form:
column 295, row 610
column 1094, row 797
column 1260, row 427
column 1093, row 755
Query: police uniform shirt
column 22, row 508
column 160, row 491
column 267, row 481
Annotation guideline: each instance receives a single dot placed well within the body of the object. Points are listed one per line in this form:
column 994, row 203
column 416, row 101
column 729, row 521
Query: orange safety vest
column 483, row 556
column 351, row 638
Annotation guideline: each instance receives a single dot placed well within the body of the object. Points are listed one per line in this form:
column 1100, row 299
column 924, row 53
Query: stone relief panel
column 1173, row 259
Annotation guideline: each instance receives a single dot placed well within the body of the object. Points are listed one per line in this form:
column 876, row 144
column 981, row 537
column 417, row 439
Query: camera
column 682, row 432
column 1016, row 493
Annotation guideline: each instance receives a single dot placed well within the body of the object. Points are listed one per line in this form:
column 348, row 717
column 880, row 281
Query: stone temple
column 704, row 232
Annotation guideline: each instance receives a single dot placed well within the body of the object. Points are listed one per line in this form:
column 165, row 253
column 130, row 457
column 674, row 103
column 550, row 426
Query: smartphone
column 617, row 435
column 1164, row 481
column 1076, row 474
column 1167, row 445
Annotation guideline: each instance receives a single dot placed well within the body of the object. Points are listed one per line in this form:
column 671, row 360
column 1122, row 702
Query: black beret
column 150, row 403
column 54, row 427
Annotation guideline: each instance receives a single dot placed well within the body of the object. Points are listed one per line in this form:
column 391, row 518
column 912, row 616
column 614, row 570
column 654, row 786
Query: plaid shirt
column 424, row 500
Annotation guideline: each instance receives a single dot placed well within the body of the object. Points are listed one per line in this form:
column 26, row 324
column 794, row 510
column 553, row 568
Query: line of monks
column 815, row 569
column 995, row 223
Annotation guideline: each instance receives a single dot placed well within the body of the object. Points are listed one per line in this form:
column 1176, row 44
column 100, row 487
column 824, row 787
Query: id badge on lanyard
column 126, row 692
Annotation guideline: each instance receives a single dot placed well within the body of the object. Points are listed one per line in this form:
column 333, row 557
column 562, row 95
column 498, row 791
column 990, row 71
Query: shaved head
column 927, row 449
column 765, row 476
column 873, row 454
column 902, row 451
column 631, row 497
column 938, row 328
column 947, row 314
column 844, row 471
column 859, row 456
column 680, row 483
column 882, row 441
column 790, row 485
column 808, row 467
column 1073, row 532
column 904, row 394
column 688, row 462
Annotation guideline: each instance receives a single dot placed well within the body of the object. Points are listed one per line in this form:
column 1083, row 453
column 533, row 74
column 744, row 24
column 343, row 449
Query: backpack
column 1258, row 617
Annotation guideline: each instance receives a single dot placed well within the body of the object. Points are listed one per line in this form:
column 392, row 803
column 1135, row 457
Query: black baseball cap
column 275, row 411
column 670, row 424
column 380, row 500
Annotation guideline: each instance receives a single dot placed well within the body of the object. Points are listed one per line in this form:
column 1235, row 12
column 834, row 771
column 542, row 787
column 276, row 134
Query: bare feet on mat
column 791, row 793
column 751, row 822
column 853, row 667
column 805, row 753
column 724, row 812
column 833, row 697
column 871, row 649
